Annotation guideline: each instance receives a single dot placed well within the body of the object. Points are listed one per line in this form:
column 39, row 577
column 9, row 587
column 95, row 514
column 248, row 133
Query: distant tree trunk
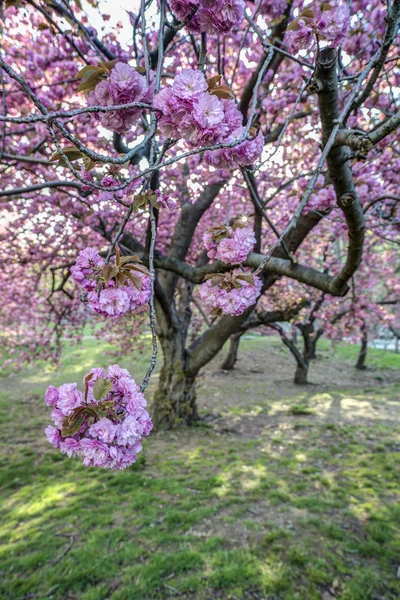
column 363, row 350
column 301, row 374
column 302, row 363
column 231, row 357
column 396, row 333
column 310, row 340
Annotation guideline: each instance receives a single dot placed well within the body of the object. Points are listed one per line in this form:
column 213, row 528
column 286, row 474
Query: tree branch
column 41, row 186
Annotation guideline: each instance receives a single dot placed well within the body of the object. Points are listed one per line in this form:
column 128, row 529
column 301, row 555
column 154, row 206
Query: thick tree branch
column 338, row 165
column 40, row 186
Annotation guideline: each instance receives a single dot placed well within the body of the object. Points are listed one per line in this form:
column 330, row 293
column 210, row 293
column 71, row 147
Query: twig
column 64, row 552
column 172, row 589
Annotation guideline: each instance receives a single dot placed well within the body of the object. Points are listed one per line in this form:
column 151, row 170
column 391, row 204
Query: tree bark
column 175, row 398
column 301, row 374
column 360, row 364
column 231, row 357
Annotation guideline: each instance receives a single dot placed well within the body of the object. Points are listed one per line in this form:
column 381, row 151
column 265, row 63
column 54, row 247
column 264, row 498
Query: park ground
column 280, row 493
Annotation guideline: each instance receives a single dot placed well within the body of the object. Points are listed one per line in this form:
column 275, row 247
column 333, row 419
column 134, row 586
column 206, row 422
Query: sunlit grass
column 203, row 515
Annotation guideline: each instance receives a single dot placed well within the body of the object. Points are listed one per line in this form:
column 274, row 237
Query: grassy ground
column 281, row 494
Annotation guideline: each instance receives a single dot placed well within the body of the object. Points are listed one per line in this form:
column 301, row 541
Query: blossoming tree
column 227, row 145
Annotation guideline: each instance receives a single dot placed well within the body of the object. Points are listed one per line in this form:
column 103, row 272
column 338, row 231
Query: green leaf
column 223, row 92
column 73, row 423
column 139, row 201
column 88, row 71
column 71, row 152
column 138, row 267
column 294, row 25
column 307, row 13
column 137, row 282
column 101, row 388
column 109, row 271
column 89, row 163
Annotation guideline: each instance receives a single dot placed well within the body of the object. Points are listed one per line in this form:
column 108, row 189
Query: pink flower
column 70, row 447
column 93, row 452
column 53, row 435
column 302, row 37
column 189, row 83
column 58, row 418
column 273, row 8
column 145, row 422
column 125, row 86
column 85, row 269
column 112, row 441
column 125, row 387
column 69, row 398
column 233, row 116
column 113, row 302
column 104, row 430
column 136, row 403
column 183, row 8
column 208, row 111
column 243, row 154
column 233, row 248
column 51, row 395
column 227, row 298
column 114, row 372
column 139, row 298
column 209, row 245
column 219, row 16
column 125, row 457
column 125, row 80
column 129, row 430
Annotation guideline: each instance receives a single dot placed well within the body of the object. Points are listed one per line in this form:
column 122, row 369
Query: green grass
column 376, row 358
column 286, row 515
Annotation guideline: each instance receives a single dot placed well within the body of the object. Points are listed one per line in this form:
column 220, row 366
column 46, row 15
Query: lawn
column 281, row 493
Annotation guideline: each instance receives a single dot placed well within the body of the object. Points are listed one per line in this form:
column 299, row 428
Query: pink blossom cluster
column 209, row 16
column 242, row 154
column 109, row 430
column 329, row 23
column 232, row 247
column 106, row 299
column 190, row 112
column 125, row 85
column 273, row 8
column 230, row 293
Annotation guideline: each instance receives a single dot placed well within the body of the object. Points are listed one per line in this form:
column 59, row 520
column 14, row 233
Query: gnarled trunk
column 175, row 398
column 360, row 364
column 231, row 357
column 301, row 374
column 310, row 339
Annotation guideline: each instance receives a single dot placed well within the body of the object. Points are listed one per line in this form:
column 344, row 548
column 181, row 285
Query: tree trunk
column 175, row 398
column 231, row 357
column 301, row 374
column 310, row 340
column 363, row 352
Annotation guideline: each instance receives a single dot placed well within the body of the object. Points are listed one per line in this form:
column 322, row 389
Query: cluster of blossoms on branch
column 112, row 290
column 209, row 16
column 230, row 293
column 124, row 85
column 105, row 424
column 327, row 21
column 202, row 113
column 229, row 244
